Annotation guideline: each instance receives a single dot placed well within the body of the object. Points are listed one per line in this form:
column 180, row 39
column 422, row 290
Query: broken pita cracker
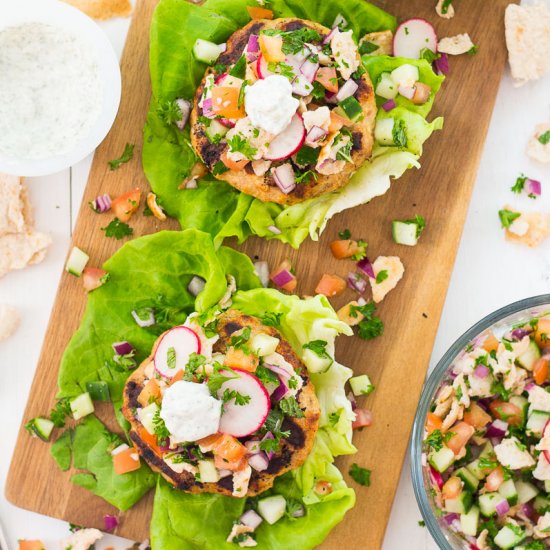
column 9, row 321
column 394, row 271
column 529, row 229
column 15, row 211
column 450, row 13
column 17, row 250
column 528, row 41
column 103, row 9
column 538, row 147
column 455, row 45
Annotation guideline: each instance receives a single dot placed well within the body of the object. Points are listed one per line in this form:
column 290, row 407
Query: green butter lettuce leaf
column 90, row 445
column 215, row 206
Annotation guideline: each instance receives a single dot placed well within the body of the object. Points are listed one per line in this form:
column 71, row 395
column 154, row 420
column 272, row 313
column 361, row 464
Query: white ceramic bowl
column 59, row 14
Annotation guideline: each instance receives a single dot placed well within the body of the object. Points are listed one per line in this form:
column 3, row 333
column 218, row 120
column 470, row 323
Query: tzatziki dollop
column 269, row 103
column 50, row 90
column 190, row 412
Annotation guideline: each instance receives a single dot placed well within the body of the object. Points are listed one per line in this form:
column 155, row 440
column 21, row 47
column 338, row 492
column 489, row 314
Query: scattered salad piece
column 59, row 413
column 125, row 459
column 445, row 9
column 507, row 217
column 111, row 522
column 127, row 156
column 408, row 232
column 388, row 271
column 94, row 277
column 348, row 248
column 125, row 205
column 154, row 207
column 117, row 229
column 456, row 45
column 538, row 147
column 360, row 475
column 76, row 262
column 528, row 228
column 83, row 539
column 350, row 314
column 330, row 285
column 81, row 406
column 369, row 326
column 283, row 277
column 412, row 36
column 40, row 427
column 207, row 51
column 361, row 385
column 532, row 187
column 101, row 204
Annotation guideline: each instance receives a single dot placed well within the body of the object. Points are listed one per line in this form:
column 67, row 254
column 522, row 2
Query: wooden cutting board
column 396, row 362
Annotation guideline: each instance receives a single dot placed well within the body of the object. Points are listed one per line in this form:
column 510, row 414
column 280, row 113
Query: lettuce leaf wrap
column 216, row 207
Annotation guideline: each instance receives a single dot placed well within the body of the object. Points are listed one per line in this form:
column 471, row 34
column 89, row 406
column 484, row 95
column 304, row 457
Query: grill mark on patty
column 232, row 327
column 294, row 25
column 132, row 391
column 364, row 89
column 297, row 437
column 357, row 138
column 211, row 152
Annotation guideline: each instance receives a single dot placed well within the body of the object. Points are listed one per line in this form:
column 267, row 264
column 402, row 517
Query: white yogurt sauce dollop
column 190, row 412
column 50, row 90
column 269, row 103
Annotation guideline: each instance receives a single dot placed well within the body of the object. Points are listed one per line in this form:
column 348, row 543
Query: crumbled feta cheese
column 455, row 45
column 542, row 471
column 320, row 117
column 538, row 229
column 257, row 138
column 345, row 53
column 461, row 389
column 179, row 467
column 450, row 10
column 83, row 539
column 519, row 226
column 9, row 321
column 241, row 479
column 510, row 453
column 395, row 270
column 537, row 150
column 539, row 399
column 542, row 529
column 260, row 167
column 240, row 529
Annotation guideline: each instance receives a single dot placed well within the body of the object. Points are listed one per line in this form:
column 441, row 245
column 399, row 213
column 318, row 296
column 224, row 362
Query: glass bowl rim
column 430, row 386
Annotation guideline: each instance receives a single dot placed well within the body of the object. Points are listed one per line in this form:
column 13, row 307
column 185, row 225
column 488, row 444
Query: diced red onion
column 309, row 70
column 220, row 78
column 268, row 435
column 497, row 428
column 185, row 108
column 251, row 519
column 284, row 178
column 366, row 267
column 356, row 282
column 281, row 391
column 436, row 477
column 101, row 204
column 196, row 285
column 441, row 64
column 253, row 446
column 226, row 122
column 274, row 229
column 262, row 270
column 301, row 86
column 481, row 371
column 502, row 507
column 282, row 278
column 406, row 91
column 148, row 322
column 166, row 445
column 529, row 386
column 329, row 36
column 533, row 187
column 520, row 333
column 330, row 97
column 528, row 511
column 252, row 48
column 207, row 109
column 346, row 90
column 389, row 105
column 259, row 462
column 450, row 518
column 279, row 371
column 352, row 400
column 111, row 522
column 315, row 135
column 123, row 348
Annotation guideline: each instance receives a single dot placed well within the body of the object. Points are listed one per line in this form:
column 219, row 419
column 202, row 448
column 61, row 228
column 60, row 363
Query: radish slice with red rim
column 412, row 36
column 174, row 349
column 288, row 141
column 261, row 68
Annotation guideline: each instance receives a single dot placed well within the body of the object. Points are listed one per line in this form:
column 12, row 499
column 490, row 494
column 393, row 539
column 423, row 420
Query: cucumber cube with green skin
column 542, row 504
column 386, row 87
column 469, row 522
column 272, row 509
column 99, row 391
column 405, row 233
column 81, row 406
column 263, row 344
column 441, row 460
column 40, row 427
column 206, row 51
column 459, row 505
column 529, row 357
column 509, row 492
column 509, row 536
column 526, row 491
column 470, row 481
column 76, row 262
column 488, row 449
column 314, row 363
column 522, row 404
column 147, row 415
column 547, row 485
column 352, row 109
column 475, row 469
column 383, row 131
column 215, row 131
column 488, row 503
column 361, row 385
column 536, row 422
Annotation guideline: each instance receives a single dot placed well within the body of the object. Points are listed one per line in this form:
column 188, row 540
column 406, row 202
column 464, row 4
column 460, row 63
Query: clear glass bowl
column 498, row 322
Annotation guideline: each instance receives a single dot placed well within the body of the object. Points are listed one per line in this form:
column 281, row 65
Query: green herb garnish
column 117, row 229
column 360, row 475
column 507, row 217
column 126, row 156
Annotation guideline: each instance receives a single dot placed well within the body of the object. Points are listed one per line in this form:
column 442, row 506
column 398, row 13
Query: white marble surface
column 488, row 274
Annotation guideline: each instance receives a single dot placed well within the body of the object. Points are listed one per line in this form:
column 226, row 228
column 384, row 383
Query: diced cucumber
column 352, row 108
column 522, row 404
column 509, row 492
column 208, row 472
column 475, row 470
column 536, row 422
column 509, row 536
column 272, row 509
column 314, row 363
column 76, row 262
column 99, row 391
column 405, row 232
column 386, row 87
column 405, row 75
column 470, row 481
column 146, row 416
column 460, row 504
column 361, row 385
column 40, row 427
column 206, row 51
column 469, row 522
column 487, row 450
column 383, row 131
column 528, row 358
column 526, row 491
column 488, row 503
column 215, row 131
column 81, row 406
column 542, row 504
column 263, row 344
column 547, row 485
column 441, row 460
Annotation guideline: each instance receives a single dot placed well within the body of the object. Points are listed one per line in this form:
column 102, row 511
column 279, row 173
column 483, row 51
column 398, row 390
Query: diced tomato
column 126, row 461
column 540, row 371
column 326, row 76
column 452, row 488
column 542, row 334
column 363, row 419
column 236, row 165
column 433, row 422
column 177, row 377
column 272, row 48
column 495, row 479
column 323, row 487
column 462, row 434
column 229, row 448
column 239, row 359
column 284, row 266
column 233, row 465
column 330, row 285
column 149, row 439
column 150, row 393
column 157, row 211
column 421, row 93
column 208, row 443
column 93, row 277
column 491, row 343
column 337, row 122
column 345, row 248
column 507, row 412
column 225, row 102
column 476, row 416
column 124, row 206
column 344, row 314
column 256, row 12
column 31, row 544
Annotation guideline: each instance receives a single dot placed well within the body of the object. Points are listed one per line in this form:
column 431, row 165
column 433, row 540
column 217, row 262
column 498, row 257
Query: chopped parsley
column 271, row 319
column 360, row 475
column 306, row 177
column 219, row 168
column 294, row 41
column 536, row 545
column 239, row 69
column 435, row 440
column 161, row 431
column 282, row 68
column 169, row 112
column 217, row 379
column 117, row 229
column 497, row 388
column 239, row 341
column 318, row 91
column 345, row 235
column 473, row 50
column 234, row 395
column 421, row 523
column 366, row 47
column 293, row 508
column 290, row 407
column 273, row 424
column 266, row 376
column 237, row 144
column 381, row 276
column 195, row 361
column 398, row 133
column 60, row 411
column 307, row 156
column 293, row 383
column 429, row 55
column 334, row 418
column 319, row 347
column 171, row 357
column 344, row 153
column 507, row 217
column 369, row 327
column 126, row 156
column 520, row 183
column 270, row 445
column 544, row 139
column 445, row 6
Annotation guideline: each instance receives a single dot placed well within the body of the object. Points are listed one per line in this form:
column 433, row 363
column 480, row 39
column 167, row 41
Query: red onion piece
column 502, row 507
column 449, row 518
column 196, row 286
column 252, row 50
column 274, row 229
column 226, row 122
column 329, row 36
column 436, row 477
column 262, row 270
column 251, row 519
column 185, row 108
column 301, row 86
column 285, row 178
column 389, row 105
column 253, row 446
column 309, row 69
column 356, row 282
column 529, row 511
column 315, row 135
column 346, row 90
column 352, row 400
column 123, row 348
column 166, row 445
column 111, row 522
column 497, row 429
column 282, row 278
column 365, row 266
column 147, row 322
column 441, row 64
column 207, row 109
column 280, row 392
column 259, row 462
column 269, row 435
column 533, row 187
column 481, row 371
column 406, row 91
column 529, row 386
column 520, row 333
column 279, row 371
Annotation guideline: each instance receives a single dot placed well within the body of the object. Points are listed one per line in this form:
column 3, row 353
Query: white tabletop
column 488, row 274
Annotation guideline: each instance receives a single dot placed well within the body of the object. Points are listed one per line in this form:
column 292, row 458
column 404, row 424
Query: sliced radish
column 412, row 36
column 243, row 420
column 288, row 141
column 261, row 68
column 183, row 341
column 301, row 86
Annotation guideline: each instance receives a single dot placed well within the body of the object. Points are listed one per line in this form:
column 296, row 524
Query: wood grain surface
column 396, row 362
